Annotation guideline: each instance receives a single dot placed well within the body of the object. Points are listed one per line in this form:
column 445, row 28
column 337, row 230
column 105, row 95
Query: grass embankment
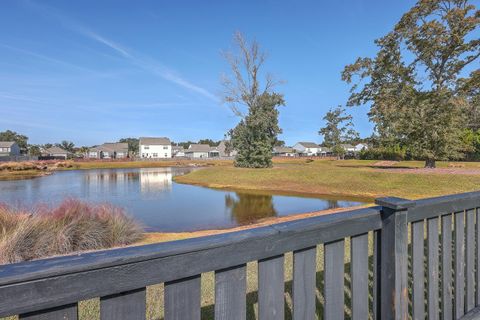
column 348, row 178
column 72, row 226
column 30, row 169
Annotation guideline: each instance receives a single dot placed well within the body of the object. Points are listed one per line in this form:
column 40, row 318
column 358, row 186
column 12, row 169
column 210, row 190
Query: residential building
column 155, row 148
column 307, row 148
column 109, row 150
column 222, row 150
column 9, row 148
column 348, row 148
column 284, row 152
column 56, row 152
column 360, row 146
column 200, row 151
column 325, row 152
column 178, row 151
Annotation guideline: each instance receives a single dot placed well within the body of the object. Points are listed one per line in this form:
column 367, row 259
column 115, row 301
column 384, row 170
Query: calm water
column 160, row 204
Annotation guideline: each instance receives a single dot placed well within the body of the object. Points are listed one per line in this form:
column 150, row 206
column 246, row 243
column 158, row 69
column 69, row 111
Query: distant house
column 200, row 151
column 9, row 148
column 109, row 150
column 307, row 148
column 284, row 152
column 360, row 146
column 222, row 149
column 178, row 151
column 155, row 148
column 348, row 148
column 56, row 152
column 325, row 152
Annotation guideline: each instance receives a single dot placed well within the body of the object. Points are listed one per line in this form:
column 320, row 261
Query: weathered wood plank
column 182, row 299
column 68, row 312
column 304, row 275
column 230, row 293
column 447, row 287
column 418, row 269
column 124, row 306
column 376, row 274
column 470, row 260
column 433, row 279
column 271, row 288
column 394, row 264
column 359, row 273
column 459, row 264
column 334, row 280
column 478, row 255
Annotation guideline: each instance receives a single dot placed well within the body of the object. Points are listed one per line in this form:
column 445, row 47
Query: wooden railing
column 443, row 261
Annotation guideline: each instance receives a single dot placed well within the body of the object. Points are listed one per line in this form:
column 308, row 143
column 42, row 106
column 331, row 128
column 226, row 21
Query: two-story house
column 9, row 148
column 155, row 148
column 307, row 148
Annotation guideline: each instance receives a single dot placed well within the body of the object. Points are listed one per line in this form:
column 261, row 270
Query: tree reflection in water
column 248, row 208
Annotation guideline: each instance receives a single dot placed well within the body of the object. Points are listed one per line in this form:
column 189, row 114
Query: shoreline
column 158, row 237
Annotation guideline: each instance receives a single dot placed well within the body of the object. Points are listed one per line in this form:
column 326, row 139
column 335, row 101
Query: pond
column 160, row 204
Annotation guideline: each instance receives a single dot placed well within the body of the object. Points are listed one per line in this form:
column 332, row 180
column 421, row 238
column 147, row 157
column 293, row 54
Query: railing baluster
column 418, row 269
column 459, row 264
column 470, row 261
column 359, row 272
column 271, row 288
column 129, row 305
column 377, row 238
column 68, row 312
column 334, row 280
column 230, row 293
column 182, row 299
column 433, row 310
column 304, row 275
column 447, row 288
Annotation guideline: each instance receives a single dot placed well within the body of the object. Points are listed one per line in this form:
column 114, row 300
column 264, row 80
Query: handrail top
column 63, row 265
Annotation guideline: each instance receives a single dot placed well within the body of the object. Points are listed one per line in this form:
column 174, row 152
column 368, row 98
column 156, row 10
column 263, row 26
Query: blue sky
column 95, row 71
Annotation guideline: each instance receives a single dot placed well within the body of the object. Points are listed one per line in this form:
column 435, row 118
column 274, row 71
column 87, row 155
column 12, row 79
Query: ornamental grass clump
column 72, row 226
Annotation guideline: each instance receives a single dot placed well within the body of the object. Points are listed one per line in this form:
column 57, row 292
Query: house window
column 165, row 148
column 166, row 155
column 146, row 147
column 155, row 155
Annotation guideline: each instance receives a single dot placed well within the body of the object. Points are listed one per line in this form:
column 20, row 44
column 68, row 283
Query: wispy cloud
column 143, row 62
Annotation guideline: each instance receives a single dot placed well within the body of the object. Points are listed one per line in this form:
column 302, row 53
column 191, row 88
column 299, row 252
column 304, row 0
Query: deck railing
column 443, row 262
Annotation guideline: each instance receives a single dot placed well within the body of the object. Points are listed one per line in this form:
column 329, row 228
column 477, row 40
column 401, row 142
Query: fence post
column 394, row 258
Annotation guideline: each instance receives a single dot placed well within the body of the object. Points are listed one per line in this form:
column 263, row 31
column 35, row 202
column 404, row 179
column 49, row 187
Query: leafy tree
column 133, row 144
column 279, row 143
column 256, row 134
column 47, row 145
column 20, row 139
column 210, row 142
column 66, row 145
column 34, row 150
column 413, row 83
column 338, row 129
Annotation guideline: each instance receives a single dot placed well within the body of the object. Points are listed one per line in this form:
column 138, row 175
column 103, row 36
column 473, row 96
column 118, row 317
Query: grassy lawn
column 349, row 178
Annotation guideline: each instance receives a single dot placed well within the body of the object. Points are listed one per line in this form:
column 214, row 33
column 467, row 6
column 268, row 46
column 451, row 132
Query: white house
column 359, row 147
column 178, row 151
column 348, row 148
column 9, row 148
column 109, row 150
column 198, row 151
column 307, row 148
column 284, row 152
column 155, row 148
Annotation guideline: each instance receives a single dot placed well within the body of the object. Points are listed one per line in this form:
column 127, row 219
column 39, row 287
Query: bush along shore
column 72, row 226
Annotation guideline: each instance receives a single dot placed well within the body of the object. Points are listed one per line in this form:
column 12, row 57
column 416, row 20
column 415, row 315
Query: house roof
column 112, row 147
column 6, row 144
column 178, row 148
column 154, row 141
column 199, row 148
column 56, row 150
column 309, row 144
column 347, row 146
column 283, row 150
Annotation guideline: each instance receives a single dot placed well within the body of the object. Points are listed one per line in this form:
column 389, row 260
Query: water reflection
column 152, row 196
column 247, row 208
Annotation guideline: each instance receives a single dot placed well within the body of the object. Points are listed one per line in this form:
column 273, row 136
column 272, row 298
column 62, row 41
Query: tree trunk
column 430, row 163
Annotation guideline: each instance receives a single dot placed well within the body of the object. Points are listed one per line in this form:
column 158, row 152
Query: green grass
column 349, row 178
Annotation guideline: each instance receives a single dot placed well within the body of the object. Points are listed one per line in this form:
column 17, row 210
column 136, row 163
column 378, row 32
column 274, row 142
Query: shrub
column 395, row 153
column 70, row 227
